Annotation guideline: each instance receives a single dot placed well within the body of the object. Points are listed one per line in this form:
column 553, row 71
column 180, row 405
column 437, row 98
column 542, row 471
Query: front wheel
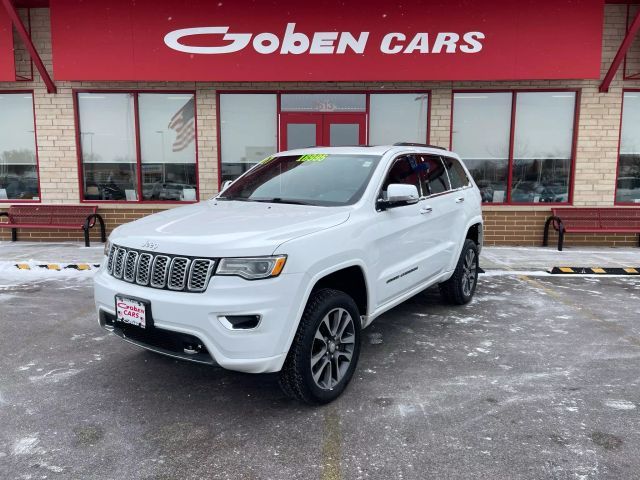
column 459, row 289
column 325, row 350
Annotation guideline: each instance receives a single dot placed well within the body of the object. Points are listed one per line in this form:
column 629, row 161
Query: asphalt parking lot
column 537, row 378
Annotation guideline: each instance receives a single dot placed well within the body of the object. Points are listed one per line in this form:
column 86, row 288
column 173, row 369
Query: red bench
column 65, row 217
column 592, row 220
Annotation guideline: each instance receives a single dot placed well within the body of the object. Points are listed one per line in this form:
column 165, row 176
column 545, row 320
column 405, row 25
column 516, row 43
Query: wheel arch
column 475, row 226
column 316, row 280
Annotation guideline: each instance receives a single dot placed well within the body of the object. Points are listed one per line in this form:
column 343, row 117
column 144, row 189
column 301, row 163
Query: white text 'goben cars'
column 283, row 269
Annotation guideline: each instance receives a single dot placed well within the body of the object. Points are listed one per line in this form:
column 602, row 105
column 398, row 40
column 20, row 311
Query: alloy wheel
column 469, row 272
column 332, row 349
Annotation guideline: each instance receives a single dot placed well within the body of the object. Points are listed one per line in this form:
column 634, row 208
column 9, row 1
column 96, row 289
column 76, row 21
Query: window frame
column 615, row 188
column 446, row 173
column 138, row 148
column 469, row 184
column 279, row 92
column 35, row 143
column 510, row 160
column 420, row 192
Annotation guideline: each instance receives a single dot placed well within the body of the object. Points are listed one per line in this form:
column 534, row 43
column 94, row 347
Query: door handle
column 425, row 210
column 459, row 199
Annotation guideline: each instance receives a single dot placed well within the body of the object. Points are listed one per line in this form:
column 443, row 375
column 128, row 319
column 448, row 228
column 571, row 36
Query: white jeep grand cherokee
column 284, row 268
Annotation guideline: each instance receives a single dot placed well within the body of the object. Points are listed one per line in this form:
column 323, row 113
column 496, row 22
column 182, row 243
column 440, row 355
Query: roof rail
column 410, row 144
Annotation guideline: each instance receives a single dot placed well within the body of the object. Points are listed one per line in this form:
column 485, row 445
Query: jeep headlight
column 107, row 247
column 252, row 268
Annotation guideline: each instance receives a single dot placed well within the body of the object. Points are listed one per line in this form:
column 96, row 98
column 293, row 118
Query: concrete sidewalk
column 492, row 258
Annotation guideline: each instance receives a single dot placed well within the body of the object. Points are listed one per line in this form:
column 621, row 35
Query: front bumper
column 262, row 349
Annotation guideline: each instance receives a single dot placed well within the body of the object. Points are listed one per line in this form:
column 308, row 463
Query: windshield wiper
column 280, row 200
column 266, row 200
column 238, row 199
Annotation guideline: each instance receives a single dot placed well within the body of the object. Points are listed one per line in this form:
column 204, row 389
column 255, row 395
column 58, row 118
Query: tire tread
column 291, row 380
column 451, row 290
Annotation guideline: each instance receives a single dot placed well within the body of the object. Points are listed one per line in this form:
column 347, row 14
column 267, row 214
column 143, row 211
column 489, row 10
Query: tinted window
column 405, row 170
column 434, row 176
column 457, row 175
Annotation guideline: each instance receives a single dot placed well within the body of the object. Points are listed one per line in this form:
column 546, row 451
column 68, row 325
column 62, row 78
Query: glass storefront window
column 18, row 165
column 543, row 140
column 168, row 147
column 323, row 102
column 628, row 182
column 110, row 163
column 481, row 129
column 108, row 144
column 542, row 150
column 398, row 117
column 248, row 131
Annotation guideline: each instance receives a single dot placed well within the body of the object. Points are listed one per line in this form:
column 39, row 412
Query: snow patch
column 54, row 376
column 27, row 446
column 620, row 404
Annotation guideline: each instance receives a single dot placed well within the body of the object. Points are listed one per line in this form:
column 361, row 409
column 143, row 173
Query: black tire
column 456, row 290
column 296, row 378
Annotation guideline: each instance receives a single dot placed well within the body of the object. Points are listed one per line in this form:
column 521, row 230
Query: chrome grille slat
column 112, row 252
column 144, row 268
column 130, row 264
column 118, row 266
column 178, row 273
column 199, row 274
column 157, row 270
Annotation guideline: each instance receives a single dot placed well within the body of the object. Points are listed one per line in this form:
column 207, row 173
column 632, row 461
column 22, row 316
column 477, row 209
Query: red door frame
column 300, row 118
column 323, row 122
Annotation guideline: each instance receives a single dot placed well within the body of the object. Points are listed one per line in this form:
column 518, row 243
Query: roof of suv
column 370, row 150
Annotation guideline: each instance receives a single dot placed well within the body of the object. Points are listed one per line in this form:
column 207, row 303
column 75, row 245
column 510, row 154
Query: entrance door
column 301, row 130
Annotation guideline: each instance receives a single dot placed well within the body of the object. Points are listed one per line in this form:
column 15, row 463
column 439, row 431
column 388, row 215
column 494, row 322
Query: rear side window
column 456, row 172
column 434, row 176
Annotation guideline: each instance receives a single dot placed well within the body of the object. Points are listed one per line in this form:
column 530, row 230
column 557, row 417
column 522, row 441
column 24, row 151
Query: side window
column 457, row 175
column 434, row 176
column 404, row 170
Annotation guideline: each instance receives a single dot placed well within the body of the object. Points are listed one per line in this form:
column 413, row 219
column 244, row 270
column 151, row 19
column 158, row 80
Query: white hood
column 227, row 228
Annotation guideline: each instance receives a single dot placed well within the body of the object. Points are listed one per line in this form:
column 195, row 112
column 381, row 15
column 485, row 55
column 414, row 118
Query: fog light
column 240, row 322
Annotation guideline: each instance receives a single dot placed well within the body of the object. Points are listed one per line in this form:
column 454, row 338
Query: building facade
column 136, row 146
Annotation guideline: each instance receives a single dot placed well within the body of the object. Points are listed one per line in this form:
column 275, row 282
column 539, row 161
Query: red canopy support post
column 26, row 38
column 622, row 52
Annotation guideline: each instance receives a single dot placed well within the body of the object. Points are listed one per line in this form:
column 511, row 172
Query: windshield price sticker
column 316, row 157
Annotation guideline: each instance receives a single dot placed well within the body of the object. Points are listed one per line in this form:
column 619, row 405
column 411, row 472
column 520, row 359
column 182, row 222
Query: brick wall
column 596, row 150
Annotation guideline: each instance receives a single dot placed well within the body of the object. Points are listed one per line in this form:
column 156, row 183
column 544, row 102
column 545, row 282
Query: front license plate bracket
column 133, row 311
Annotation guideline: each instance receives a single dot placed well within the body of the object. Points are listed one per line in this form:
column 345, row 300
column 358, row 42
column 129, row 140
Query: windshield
column 311, row 179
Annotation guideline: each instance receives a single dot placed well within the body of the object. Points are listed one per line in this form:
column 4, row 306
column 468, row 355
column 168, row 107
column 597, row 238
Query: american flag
column 183, row 122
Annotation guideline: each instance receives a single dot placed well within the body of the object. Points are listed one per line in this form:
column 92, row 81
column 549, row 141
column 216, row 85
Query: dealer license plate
column 133, row 312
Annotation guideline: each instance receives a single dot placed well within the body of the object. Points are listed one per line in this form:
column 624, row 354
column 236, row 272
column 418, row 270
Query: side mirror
column 225, row 184
column 398, row 195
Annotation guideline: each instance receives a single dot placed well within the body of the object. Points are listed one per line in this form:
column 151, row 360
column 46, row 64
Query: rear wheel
column 459, row 289
column 325, row 350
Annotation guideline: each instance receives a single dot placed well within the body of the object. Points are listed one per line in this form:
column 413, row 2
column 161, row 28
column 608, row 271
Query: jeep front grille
column 184, row 274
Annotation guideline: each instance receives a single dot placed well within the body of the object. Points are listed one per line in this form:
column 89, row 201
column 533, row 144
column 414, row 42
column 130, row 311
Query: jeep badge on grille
column 148, row 245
